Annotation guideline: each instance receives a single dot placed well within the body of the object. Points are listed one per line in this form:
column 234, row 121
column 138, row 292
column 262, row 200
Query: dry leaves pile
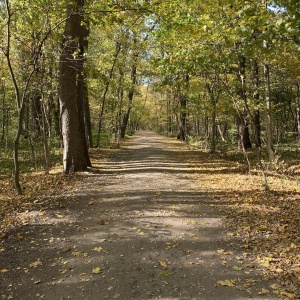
column 38, row 189
column 266, row 223
column 39, row 194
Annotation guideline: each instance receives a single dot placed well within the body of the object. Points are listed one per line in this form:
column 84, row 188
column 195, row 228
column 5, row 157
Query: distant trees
column 250, row 48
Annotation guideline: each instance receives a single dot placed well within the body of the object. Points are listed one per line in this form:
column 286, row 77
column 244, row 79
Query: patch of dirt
column 145, row 224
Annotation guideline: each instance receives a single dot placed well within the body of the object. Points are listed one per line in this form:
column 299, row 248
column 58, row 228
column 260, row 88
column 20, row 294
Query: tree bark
column 74, row 155
column 257, row 126
column 82, row 89
column 183, row 110
column 243, row 131
column 182, row 118
column 243, row 122
column 130, row 94
column 19, row 102
column 298, row 110
column 269, row 129
column 103, row 102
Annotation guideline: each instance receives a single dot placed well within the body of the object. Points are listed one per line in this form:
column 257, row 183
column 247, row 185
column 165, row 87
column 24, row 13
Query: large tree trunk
column 75, row 157
column 82, row 96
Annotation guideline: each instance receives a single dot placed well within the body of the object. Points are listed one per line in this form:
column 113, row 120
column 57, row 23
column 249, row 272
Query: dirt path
column 142, row 227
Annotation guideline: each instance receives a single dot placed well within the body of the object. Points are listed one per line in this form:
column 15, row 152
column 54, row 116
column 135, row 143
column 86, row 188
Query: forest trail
column 143, row 226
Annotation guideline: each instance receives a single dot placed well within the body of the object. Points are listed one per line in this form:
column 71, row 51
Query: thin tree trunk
column 36, row 115
column 298, row 110
column 269, row 129
column 182, row 118
column 221, row 133
column 111, row 72
column 87, row 117
column 45, row 126
column 119, row 112
column 4, row 114
column 183, row 110
column 19, row 103
column 213, row 133
column 244, row 124
column 257, row 126
column 130, row 96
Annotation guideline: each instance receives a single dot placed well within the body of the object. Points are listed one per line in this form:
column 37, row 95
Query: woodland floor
column 152, row 220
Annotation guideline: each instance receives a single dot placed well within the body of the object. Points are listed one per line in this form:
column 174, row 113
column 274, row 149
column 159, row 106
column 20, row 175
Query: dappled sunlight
column 149, row 224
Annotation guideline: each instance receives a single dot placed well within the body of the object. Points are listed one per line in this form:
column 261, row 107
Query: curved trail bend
column 142, row 227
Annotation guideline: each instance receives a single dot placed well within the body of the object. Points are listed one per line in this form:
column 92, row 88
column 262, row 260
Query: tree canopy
column 220, row 73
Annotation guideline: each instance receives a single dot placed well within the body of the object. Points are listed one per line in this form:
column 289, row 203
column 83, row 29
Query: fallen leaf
column 65, row 249
column 20, row 236
column 101, row 222
column 236, row 268
column 96, row 270
column 163, row 264
column 79, row 254
column 222, row 251
column 98, row 249
column 226, row 282
column 35, row 264
column 4, row 271
column 3, row 236
column 263, row 291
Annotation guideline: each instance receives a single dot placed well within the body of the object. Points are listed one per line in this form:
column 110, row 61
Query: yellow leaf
column 79, row 254
column 222, row 251
column 163, row 264
column 263, row 291
column 96, row 271
column 226, row 282
column 98, row 249
column 35, row 264
column 4, row 271
column 288, row 295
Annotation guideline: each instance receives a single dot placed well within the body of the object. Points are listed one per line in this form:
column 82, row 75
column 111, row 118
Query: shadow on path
column 140, row 227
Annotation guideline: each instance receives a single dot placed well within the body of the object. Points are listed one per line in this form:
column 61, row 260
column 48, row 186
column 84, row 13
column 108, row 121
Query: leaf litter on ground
column 266, row 223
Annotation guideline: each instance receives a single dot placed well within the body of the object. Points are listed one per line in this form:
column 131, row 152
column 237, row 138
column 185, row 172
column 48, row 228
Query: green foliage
column 166, row 41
